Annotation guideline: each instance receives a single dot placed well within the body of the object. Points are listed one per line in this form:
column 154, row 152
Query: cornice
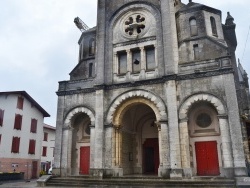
column 148, row 82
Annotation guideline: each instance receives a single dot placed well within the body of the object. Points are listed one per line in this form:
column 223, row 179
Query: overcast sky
column 38, row 42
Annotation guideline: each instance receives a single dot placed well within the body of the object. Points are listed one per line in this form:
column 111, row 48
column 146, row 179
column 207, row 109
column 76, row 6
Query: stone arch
column 141, row 96
column 219, row 106
column 77, row 110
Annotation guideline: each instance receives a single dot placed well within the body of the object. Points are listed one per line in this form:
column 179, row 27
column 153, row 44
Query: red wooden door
column 84, row 160
column 34, row 169
column 207, row 158
column 151, row 156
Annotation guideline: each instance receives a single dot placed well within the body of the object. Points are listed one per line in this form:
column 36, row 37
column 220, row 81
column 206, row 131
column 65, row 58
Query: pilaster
column 235, row 126
column 100, row 43
column 227, row 158
column 97, row 164
column 170, row 43
column 174, row 141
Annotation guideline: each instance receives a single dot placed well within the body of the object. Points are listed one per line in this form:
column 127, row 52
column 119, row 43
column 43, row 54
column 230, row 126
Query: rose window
column 134, row 24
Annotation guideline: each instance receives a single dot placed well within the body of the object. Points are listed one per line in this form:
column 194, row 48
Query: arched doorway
column 204, row 136
column 80, row 156
column 139, row 140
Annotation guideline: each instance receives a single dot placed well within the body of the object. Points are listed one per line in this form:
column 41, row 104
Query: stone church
column 156, row 91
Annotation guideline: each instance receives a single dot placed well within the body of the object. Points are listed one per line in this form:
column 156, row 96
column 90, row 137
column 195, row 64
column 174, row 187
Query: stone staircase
column 138, row 182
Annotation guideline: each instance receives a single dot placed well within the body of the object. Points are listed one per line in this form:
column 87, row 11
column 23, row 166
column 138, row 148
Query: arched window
column 92, row 47
column 91, row 70
column 196, row 52
column 193, row 27
column 213, row 26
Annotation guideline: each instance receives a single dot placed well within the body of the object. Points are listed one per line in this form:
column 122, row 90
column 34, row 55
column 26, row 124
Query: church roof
column 192, row 6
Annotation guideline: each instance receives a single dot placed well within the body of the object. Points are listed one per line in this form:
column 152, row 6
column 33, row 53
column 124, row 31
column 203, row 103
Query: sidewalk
column 18, row 184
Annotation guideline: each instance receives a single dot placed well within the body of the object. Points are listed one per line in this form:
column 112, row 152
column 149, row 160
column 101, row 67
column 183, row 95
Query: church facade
column 154, row 92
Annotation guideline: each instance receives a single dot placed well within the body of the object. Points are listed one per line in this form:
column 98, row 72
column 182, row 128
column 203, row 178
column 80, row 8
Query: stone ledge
column 41, row 182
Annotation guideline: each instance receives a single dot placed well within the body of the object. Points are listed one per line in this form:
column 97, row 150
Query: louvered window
column 32, row 146
column 18, row 122
column 15, row 145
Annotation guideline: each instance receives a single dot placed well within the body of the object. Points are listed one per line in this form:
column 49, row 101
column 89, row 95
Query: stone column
column 226, row 148
column 164, row 168
column 92, row 145
column 69, row 152
column 116, row 64
column 160, row 142
column 234, row 126
column 97, row 170
column 143, row 63
column 59, row 136
column 129, row 62
column 118, row 171
column 174, row 140
column 185, row 149
column 65, row 152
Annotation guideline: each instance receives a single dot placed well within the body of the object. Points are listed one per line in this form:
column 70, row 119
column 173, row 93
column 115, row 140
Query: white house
column 21, row 125
column 48, row 145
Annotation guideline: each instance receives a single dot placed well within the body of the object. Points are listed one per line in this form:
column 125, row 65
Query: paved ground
column 18, row 184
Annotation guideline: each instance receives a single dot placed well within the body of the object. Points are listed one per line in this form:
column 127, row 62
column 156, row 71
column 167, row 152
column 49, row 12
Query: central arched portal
column 139, row 148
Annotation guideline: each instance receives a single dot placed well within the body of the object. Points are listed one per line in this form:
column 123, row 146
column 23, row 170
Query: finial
column 229, row 19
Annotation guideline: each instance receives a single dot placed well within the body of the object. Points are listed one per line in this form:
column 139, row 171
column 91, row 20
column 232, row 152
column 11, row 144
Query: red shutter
column 18, row 122
column 20, row 103
column 15, row 145
column 32, row 147
column 44, row 154
column 18, row 144
column 33, row 126
column 1, row 117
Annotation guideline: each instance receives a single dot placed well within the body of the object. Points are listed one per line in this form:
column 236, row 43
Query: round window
column 203, row 120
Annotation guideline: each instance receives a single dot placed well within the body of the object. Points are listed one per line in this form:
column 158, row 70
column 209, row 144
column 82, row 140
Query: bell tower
column 128, row 32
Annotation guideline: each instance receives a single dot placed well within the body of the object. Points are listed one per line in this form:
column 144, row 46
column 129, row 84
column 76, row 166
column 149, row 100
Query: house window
column 45, row 136
column 15, row 145
column 44, row 153
column 193, row 27
column 213, row 26
column 90, row 69
column 122, row 62
column 1, row 117
column 92, row 47
column 196, row 52
column 0, row 138
column 32, row 146
column 150, row 57
column 136, row 60
column 18, row 122
column 20, row 103
column 33, row 126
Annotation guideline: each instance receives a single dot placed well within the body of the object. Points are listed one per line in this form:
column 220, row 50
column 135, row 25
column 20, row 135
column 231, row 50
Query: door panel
column 151, row 156
column 207, row 158
column 84, row 160
column 34, row 169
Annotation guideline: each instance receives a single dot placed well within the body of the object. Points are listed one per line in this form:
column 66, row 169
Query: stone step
column 123, row 182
